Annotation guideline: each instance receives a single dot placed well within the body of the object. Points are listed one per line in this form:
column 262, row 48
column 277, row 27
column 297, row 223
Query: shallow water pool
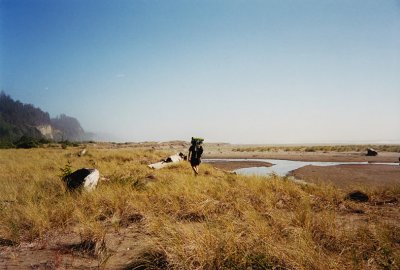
column 282, row 167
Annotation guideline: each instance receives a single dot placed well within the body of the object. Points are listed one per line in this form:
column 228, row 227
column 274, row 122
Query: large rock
column 372, row 152
column 83, row 178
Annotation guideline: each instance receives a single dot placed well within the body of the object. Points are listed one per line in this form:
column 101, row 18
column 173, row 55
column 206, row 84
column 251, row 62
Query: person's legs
column 195, row 165
column 195, row 169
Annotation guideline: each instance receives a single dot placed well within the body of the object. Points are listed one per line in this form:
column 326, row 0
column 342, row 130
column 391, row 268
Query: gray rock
column 371, row 152
column 83, row 178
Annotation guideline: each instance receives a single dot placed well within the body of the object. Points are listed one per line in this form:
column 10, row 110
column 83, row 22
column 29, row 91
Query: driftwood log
column 168, row 161
column 82, row 152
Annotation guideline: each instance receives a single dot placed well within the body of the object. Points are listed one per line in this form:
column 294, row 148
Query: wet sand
column 373, row 175
column 234, row 165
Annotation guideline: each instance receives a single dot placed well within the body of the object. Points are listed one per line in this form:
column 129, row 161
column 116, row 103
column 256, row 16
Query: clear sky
column 236, row 71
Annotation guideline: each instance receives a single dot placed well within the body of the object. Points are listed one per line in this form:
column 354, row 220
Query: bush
column 66, row 143
column 27, row 142
column 5, row 144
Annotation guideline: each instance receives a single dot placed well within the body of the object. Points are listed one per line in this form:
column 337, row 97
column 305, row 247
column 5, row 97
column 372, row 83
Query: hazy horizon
column 255, row 72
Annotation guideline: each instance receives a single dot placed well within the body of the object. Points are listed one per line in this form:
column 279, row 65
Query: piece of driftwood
column 82, row 152
column 83, row 178
column 168, row 161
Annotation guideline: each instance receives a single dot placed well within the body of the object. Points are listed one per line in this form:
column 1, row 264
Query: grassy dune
column 213, row 221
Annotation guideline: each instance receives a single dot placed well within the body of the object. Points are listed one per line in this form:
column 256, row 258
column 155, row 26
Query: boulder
column 83, row 178
column 371, row 152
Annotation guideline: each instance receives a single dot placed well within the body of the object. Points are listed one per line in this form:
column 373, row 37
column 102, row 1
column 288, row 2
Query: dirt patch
column 38, row 255
column 127, row 248
column 351, row 175
column 234, row 165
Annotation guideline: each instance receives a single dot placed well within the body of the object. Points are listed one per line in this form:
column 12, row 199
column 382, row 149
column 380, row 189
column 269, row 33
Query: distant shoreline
column 307, row 156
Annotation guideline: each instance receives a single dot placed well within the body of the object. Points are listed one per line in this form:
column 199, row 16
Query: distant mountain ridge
column 18, row 119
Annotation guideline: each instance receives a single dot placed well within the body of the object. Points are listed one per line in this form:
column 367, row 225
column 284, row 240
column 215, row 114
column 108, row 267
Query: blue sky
column 232, row 71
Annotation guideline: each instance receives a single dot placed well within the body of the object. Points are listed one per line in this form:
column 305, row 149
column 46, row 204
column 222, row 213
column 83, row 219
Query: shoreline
column 341, row 175
column 234, row 165
column 387, row 157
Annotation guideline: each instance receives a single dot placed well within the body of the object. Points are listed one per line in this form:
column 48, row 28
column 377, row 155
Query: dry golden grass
column 213, row 221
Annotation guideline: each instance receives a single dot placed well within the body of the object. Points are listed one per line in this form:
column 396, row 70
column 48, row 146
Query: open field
column 138, row 218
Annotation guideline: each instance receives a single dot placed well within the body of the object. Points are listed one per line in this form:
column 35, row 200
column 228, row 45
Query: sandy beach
column 351, row 175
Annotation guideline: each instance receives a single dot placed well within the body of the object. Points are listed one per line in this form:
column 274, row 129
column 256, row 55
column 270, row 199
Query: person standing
column 195, row 152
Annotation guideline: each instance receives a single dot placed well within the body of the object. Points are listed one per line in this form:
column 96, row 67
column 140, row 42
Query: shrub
column 27, row 142
column 5, row 144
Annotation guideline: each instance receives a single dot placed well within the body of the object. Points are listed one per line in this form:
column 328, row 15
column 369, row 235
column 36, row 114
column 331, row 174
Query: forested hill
column 18, row 119
column 69, row 126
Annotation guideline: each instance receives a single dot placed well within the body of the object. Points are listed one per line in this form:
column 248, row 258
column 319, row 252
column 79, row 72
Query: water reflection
column 283, row 167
